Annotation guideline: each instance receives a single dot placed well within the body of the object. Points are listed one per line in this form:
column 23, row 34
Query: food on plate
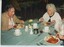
column 52, row 39
column 18, row 26
column 46, row 23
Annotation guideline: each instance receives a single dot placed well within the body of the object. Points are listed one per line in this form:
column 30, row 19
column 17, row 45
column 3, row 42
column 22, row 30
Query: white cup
column 26, row 28
column 35, row 25
column 17, row 32
column 46, row 29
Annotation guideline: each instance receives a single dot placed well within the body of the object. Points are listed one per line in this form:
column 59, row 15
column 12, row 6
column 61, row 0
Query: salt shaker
column 26, row 28
column 31, row 31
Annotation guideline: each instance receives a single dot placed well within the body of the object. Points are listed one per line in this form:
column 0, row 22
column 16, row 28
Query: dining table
column 8, row 37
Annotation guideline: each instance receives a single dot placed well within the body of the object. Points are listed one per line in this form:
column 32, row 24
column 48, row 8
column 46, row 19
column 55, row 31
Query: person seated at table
column 51, row 16
column 61, row 37
column 9, row 18
column 63, row 19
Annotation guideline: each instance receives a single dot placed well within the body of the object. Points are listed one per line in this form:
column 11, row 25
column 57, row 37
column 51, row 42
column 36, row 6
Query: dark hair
column 8, row 7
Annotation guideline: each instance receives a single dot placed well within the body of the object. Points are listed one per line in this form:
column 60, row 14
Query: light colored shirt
column 55, row 17
column 11, row 22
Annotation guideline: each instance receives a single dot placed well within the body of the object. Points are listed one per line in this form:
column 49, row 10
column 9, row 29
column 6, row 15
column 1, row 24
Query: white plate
column 47, row 37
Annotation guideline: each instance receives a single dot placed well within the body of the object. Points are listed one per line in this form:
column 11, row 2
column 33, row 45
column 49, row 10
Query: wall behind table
column 35, row 10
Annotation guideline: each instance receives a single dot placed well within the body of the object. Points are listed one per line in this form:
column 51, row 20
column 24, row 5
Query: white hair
column 51, row 6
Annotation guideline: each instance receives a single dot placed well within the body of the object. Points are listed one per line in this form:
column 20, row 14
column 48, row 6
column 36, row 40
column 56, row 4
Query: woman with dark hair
column 9, row 18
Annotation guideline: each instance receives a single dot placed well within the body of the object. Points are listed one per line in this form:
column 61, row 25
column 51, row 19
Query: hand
column 60, row 36
column 10, row 26
column 57, row 35
column 41, row 19
column 22, row 21
column 53, row 22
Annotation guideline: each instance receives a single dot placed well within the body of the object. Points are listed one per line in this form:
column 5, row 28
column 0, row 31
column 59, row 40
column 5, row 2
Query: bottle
column 26, row 28
column 35, row 31
column 31, row 31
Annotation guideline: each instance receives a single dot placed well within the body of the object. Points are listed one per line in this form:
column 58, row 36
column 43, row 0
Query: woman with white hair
column 51, row 16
